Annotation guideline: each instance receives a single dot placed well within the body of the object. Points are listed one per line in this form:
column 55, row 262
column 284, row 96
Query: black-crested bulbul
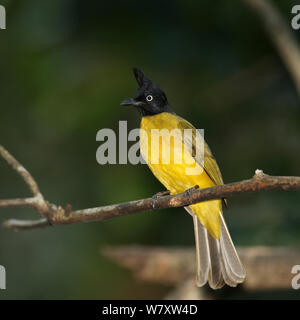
column 217, row 261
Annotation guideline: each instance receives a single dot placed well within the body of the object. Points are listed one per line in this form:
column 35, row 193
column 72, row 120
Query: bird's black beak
column 130, row 102
column 127, row 102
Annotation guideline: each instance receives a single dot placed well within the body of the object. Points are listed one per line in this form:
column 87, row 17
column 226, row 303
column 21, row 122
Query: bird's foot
column 189, row 191
column 158, row 195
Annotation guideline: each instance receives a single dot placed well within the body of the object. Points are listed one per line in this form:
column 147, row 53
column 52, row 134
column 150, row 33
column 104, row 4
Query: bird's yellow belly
column 173, row 173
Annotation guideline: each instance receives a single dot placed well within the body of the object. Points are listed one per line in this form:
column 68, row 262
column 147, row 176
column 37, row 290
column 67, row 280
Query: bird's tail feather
column 217, row 261
column 231, row 261
column 203, row 261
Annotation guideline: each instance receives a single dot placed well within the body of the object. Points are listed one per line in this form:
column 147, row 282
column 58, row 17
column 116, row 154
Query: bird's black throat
column 146, row 113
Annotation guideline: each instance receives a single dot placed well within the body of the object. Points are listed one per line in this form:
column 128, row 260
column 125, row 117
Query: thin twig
column 280, row 32
column 27, row 177
column 26, row 202
column 26, row 224
column 37, row 202
column 56, row 215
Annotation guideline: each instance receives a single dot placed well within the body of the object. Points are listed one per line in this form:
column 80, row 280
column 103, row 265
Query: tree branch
column 56, row 215
column 268, row 268
column 281, row 34
column 37, row 202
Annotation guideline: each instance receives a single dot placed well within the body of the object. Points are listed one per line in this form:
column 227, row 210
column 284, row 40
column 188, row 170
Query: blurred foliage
column 66, row 65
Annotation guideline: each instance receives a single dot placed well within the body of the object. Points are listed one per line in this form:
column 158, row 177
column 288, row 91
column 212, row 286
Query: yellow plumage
column 173, row 174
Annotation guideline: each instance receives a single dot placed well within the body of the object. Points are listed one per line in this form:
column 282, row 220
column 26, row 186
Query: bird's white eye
column 149, row 98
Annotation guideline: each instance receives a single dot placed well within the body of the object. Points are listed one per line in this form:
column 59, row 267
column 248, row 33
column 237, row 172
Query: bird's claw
column 158, row 195
column 189, row 191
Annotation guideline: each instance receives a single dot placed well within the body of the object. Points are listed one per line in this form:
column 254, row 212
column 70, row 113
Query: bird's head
column 149, row 98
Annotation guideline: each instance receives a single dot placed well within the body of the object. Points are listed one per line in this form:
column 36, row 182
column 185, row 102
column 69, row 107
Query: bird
column 217, row 261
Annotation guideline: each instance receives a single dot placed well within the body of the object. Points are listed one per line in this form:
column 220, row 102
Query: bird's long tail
column 217, row 261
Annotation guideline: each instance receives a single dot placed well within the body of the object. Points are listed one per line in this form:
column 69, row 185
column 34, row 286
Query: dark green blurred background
column 65, row 65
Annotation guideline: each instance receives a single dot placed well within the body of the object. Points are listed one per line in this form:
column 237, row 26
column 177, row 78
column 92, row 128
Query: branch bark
column 53, row 214
column 267, row 267
column 281, row 35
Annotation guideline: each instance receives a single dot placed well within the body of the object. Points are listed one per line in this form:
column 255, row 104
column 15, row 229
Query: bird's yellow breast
column 162, row 147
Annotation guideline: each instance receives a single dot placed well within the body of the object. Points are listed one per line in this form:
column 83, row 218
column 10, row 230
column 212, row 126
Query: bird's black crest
column 142, row 79
column 139, row 76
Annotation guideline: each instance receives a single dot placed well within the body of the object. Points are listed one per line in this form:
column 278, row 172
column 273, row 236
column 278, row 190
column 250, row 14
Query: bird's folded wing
column 209, row 163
